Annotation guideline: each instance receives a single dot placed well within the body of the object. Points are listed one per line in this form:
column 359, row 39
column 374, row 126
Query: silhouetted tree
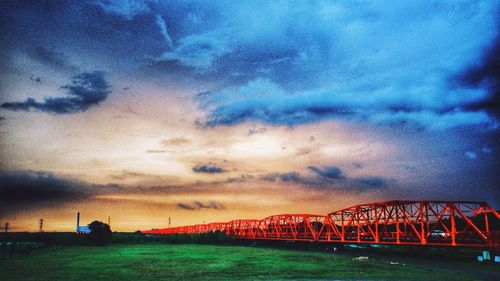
column 100, row 233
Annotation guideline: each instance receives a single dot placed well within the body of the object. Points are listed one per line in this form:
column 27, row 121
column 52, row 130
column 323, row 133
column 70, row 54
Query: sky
column 206, row 111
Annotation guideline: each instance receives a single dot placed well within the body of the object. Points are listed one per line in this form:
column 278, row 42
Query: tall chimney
column 77, row 221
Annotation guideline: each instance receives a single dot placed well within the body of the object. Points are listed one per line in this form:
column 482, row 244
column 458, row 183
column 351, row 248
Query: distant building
column 81, row 229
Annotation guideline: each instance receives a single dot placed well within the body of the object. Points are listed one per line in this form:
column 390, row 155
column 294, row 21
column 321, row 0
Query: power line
column 139, row 219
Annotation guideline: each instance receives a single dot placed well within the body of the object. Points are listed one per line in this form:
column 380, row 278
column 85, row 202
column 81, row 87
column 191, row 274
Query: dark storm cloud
column 296, row 71
column 292, row 176
column 285, row 177
column 296, row 66
column 372, row 181
column 209, row 168
column 57, row 60
column 330, row 178
column 331, row 172
column 265, row 101
column 67, row 35
column 197, row 205
column 84, row 91
column 26, row 189
column 485, row 74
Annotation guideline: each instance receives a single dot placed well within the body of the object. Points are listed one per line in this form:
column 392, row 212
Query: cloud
column 372, row 181
column 209, row 168
column 330, row 172
column 56, row 60
column 304, row 65
column 128, row 175
column 270, row 177
column 472, row 155
column 157, row 151
column 36, row 79
column 241, row 178
column 197, row 51
column 164, row 32
column 291, row 176
column 175, row 141
column 304, row 151
column 485, row 74
column 265, row 101
column 329, row 178
column 85, row 90
column 357, row 166
column 197, row 205
column 126, row 8
column 486, row 150
column 25, row 189
column 369, row 62
column 256, row 131
column 284, row 177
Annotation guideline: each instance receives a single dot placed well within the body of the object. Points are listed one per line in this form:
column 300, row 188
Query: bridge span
column 429, row 223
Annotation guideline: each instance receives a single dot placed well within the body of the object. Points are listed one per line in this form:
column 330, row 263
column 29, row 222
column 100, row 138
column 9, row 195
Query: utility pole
column 6, row 227
column 40, row 224
column 168, row 221
column 109, row 221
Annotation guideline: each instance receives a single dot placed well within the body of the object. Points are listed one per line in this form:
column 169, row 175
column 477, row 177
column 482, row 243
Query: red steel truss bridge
column 430, row 223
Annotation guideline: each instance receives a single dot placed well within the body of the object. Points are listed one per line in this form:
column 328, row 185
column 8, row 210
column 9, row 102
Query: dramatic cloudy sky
column 216, row 110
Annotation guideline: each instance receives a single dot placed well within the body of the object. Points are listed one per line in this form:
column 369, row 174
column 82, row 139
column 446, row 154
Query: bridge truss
column 432, row 223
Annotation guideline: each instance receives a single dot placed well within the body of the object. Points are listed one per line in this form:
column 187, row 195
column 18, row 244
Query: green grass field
column 208, row 262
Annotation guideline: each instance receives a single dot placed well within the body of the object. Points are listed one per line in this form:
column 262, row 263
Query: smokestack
column 77, row 221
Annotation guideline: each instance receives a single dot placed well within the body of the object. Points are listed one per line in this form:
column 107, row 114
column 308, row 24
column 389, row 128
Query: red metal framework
column 444, row 223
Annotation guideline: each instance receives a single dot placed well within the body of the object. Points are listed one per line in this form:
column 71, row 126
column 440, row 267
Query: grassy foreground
column 206, row 262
